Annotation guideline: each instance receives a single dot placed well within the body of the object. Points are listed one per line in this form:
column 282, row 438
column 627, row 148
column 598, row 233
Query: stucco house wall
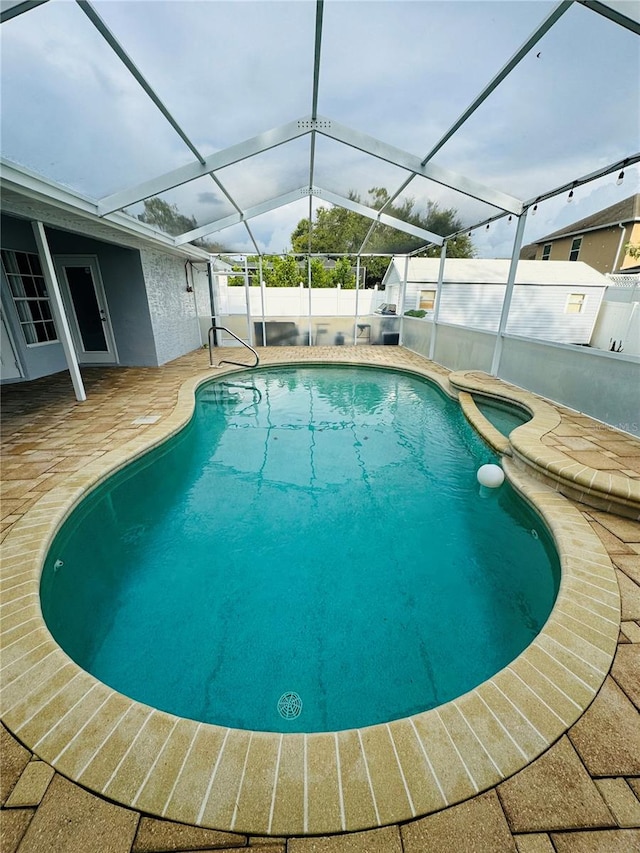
column 152, row 314
column 171, row 307
column 41, row 359
column 124, row 285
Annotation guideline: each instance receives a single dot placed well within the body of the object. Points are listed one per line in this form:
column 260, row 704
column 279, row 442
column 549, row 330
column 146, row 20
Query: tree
column 277, row 271
column 337, row 230
column 343, row 274
column 286, row 271
column 320, row 277
column 168, row 218
column 633, row 250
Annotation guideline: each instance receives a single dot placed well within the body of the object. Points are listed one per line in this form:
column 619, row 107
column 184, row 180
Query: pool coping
column 294, row 784
column 604, row 490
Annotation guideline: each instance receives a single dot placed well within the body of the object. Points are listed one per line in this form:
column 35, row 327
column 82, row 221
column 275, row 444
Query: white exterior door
column 86, row 306
column 9, row 367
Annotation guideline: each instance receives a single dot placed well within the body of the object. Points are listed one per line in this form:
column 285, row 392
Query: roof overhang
column 29, row 196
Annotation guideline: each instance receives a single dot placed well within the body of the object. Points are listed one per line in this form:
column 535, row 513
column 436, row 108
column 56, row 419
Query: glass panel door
column 86, row 308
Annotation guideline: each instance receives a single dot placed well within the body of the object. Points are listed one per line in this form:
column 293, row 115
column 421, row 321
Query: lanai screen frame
column 315, row 124
column 112, row 207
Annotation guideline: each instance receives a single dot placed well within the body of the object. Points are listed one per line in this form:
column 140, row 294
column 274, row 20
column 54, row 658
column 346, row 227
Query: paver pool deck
column 564, row 778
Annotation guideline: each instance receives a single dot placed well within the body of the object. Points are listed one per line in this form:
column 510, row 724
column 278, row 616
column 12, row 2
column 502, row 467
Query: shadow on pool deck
column 580, row 795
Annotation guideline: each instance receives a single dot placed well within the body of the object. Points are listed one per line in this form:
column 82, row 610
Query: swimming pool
column 289, row 784
column 315, row 533
column 504, row 417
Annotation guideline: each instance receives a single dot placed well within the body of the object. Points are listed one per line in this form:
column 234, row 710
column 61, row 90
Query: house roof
column 69, row 212
column 627, row 210
column 496, row 271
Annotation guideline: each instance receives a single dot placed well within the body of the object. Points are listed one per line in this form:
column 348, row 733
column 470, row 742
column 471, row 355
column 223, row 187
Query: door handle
column 103, row 316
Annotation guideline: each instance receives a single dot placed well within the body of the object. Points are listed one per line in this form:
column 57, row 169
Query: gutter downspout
column 212, row 301
column 622, row 236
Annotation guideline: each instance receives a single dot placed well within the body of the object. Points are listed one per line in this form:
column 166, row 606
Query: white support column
column 355, row 319
column 57, row 307
column 262, row 302
column 247, row 297
column 309, row 304
column 436, row 307
column 403, row 293
column 506, row 304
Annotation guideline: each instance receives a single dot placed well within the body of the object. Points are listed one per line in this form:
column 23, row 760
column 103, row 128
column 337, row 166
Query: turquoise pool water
column 312, row 553
column 505, row 418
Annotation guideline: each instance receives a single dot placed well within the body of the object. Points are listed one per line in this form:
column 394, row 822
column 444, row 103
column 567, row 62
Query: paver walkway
column 581, row 796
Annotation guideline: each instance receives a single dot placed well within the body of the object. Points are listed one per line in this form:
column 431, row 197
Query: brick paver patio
column 581, row 796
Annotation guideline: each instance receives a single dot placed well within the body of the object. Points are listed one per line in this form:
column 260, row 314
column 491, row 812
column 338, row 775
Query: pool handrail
column 226, row 360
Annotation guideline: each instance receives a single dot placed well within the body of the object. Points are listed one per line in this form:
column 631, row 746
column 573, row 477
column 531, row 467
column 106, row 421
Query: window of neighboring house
column 575, row 249
column 575, row 303
column 427, row 300
column 29, row 292
column 546, row 251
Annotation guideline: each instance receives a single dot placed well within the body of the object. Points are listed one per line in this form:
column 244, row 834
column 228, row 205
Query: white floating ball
column 491, row 476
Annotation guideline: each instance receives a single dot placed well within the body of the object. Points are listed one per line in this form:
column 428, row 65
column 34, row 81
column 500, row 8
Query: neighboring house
column 127, row 292
column 598, row 240
column 555, row 301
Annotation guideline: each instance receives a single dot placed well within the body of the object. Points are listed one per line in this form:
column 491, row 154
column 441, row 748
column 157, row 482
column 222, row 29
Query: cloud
column 209, row 198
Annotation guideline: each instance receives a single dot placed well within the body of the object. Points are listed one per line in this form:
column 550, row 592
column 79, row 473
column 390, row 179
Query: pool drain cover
column 289, row 706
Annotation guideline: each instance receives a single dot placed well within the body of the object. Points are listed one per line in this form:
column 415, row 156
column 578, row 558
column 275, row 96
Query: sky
column 400, row 71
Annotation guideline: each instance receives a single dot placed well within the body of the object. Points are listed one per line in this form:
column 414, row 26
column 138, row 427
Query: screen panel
column 404, row 71
column 72, row 112
column 226, row 70
column 569, row 108
column 269, row 174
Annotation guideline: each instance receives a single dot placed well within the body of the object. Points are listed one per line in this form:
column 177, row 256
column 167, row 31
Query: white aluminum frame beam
column 183, row 174
column 313, row 192
column 241, row 216
column 120, row 52
column 294, row 130
column 30, row 185
column 12, row 8
column 398, row 157
column 368, row 234
column 384, row 218
column 314, row 109
column 506, row 69
column 252, row 238
column 585, row 179
column 622, row 12
column 438, row 301
column 133, row 69
column 316, row 58
column 508, row 295
column 225, row 192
